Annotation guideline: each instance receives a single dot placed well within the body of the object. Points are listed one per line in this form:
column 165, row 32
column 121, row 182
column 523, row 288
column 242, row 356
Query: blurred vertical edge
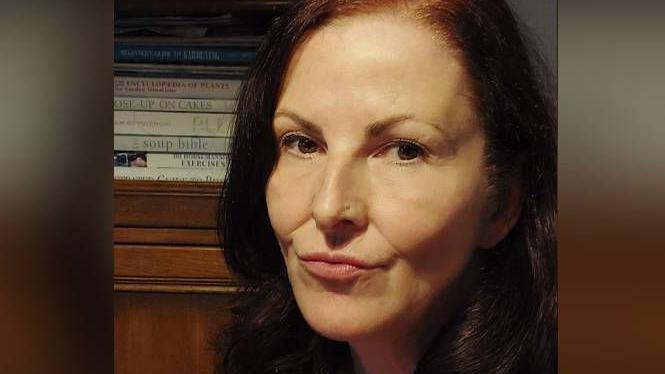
column 611, row 186
column 56, row 187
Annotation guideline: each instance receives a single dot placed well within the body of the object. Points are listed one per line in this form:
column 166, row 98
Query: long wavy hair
column 508, row 324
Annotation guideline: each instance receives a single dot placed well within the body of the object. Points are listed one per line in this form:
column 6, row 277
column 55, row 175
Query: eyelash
column 290, row 140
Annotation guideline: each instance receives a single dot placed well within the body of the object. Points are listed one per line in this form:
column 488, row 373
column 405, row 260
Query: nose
column 340, row 203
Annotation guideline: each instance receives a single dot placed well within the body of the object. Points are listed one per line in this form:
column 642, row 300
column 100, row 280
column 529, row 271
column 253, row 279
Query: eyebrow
column 307, row 125
column 374, row 129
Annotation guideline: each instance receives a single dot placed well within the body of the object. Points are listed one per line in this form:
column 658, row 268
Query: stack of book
column 175, row 88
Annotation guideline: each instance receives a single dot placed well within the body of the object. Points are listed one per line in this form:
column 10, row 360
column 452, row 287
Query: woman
column 390, row 203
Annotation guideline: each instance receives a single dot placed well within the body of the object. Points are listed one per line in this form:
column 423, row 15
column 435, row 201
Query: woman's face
column 378, row 196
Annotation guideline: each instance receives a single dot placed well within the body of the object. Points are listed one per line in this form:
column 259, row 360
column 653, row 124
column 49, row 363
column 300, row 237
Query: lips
column 337, row 268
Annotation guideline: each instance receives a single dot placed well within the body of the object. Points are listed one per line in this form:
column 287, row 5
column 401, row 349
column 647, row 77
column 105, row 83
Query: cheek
column 453, row 223
column 286, row 204
column 435, row 236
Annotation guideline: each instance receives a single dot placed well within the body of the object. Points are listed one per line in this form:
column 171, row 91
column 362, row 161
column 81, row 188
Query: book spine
column 187, row 160
column 189, row 88
column 172, row 123
column 140, row 53
column 169, row 174
column 250, row 41
column 172, row 144
column 174, row 105
column 232, row 72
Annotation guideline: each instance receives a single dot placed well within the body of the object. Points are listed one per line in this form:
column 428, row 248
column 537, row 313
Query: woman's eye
column 407, row 151
column 302, row 143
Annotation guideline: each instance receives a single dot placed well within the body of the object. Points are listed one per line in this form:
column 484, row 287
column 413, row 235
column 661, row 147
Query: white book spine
column 165, row 104
column 173, row 144
column 187, row 160
column 169, row 174
column 172, row 123
column 176, row 87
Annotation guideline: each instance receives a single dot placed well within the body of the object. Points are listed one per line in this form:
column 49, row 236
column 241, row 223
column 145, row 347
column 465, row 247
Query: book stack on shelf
column 178, row 66
column 175, row 85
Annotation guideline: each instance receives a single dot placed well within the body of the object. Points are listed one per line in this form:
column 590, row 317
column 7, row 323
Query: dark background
column 56, row 186
column 540, row 16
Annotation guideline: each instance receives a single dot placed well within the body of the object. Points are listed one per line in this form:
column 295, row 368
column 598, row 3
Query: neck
column 381, row 358
column 396, row 349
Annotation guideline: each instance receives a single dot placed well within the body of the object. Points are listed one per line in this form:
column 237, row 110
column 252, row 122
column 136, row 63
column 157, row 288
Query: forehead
column 373, row 63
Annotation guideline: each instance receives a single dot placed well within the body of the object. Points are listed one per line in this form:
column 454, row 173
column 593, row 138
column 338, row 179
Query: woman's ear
column 504, row 213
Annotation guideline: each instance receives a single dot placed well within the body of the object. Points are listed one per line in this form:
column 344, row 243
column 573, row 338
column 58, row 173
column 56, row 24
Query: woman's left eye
column 406, row 150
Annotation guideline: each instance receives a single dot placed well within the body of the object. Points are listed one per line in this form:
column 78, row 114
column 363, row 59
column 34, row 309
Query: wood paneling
column 137, row 235
column 172, row 285
column 166, row 333
column 166, row 205
column 169, row 261
column 177, row 269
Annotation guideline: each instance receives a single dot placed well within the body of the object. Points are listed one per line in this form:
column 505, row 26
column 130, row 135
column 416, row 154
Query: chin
column 339, row 329
column 339, row 318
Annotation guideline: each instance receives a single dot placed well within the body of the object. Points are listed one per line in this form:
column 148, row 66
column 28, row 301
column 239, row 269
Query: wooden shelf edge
column 174, row 285
column 173, row 289
column 169, row 188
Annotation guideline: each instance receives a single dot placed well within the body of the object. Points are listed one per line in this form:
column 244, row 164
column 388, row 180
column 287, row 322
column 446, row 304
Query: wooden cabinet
column 160, row 332
column 165, row 238
column 171, row 284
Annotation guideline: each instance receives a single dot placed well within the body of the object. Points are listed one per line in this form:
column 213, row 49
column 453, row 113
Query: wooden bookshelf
column 171, row 285
column 174, row 223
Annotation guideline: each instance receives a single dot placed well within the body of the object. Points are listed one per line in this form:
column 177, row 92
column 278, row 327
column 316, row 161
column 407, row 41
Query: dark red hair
column 509, row 324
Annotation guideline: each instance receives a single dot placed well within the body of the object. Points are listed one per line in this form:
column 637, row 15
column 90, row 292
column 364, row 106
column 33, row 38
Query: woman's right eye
column 299, row 144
